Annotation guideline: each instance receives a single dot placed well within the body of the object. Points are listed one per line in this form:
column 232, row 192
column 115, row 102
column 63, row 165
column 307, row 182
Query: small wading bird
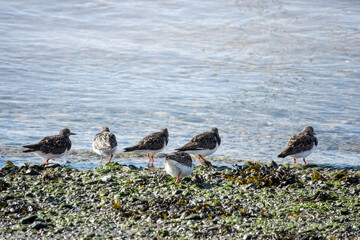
column 178, row 165
column 51, row 147
column 105, row 143
column 300, row 145
column 152, row 144
column 203, row 145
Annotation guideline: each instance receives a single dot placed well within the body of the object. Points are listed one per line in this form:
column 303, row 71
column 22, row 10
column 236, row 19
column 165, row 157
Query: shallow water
column 258, row 70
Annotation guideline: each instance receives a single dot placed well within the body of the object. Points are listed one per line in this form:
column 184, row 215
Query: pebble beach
column 114, row 201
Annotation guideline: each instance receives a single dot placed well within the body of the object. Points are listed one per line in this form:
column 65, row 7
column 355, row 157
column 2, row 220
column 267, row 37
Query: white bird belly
column 304, row 154
column 105, row 151
column 204, row 152
column 50, row 155
column 173, row 168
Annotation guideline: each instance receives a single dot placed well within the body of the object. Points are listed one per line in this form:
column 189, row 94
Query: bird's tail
column 179, row 149
column 31, row 148
column 130, row 149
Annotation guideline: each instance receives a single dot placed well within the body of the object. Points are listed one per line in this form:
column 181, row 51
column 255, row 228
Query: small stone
column 132, row 167
column 183, row 215
column 197, row 179
column 251, row 185
column 28, row 220
column 3, row 185
column 106, row 178
column 65, row 205
column 38, row 225
column 273, row 164
column 177, row 192
column 90, row 235
column 344, row 211
column 247, row 236
column 260, row 205
column 193, row 217
column 30, row 195
column 31, row 172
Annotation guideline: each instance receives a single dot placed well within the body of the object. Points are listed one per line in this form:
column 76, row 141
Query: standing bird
column 52, row 147
column 300, row 145
column 154, row 143
column 105, row 143
column 203, row 144
column 178, row 165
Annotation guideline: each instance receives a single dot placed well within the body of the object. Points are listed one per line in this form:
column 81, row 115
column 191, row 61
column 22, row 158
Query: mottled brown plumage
column 300, row 145
column 180, row 157
column 178, row 165
column 203, row 144
column 151, row 144
column 105, row 143
column 206, row 140
column 52, row 146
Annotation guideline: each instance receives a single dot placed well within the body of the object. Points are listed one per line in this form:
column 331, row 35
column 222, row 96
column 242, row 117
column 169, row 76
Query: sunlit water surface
column 257, row 70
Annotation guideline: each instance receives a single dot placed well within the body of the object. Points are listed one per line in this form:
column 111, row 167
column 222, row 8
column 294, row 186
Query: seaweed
column 262, row 175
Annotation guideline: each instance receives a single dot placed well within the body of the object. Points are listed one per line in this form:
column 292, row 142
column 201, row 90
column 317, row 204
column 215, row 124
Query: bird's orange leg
column 206, row 161
column 199, row 159
column 152, row 158
column 47, row 161
column 101, row 159
column 177, row 179
column 111, row 157
column 294, row 160
column 149, row 160
column 304, row 161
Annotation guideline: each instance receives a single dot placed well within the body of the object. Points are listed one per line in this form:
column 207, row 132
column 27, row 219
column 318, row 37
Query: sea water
column 259, row 71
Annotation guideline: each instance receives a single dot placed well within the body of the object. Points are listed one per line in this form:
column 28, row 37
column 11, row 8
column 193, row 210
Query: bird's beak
column 72, row 133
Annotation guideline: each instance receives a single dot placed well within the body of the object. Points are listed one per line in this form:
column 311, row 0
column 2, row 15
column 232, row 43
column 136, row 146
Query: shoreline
column 257, row 201
column 91, row 161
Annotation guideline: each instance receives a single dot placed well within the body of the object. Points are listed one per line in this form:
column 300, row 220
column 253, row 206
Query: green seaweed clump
column 317, row 176
column 262, row 175
column 345, row 176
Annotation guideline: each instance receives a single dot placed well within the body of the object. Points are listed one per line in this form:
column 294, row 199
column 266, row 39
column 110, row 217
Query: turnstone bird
column 203, row 144
column 52, row 147
column 105, row 143
column 154, row 143
column 178, row 165
column 300, row 145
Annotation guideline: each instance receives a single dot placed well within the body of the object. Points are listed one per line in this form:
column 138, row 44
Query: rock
column 55, row 165
column 30, row 195
column 221, row 168
column 251, row 186
column 106, row 178
column 132, row 167
column 29, row 219
column 90, row 235
column 197, row 179
column 3, row 185
column 31, row 172
column 177, row 192
column 164, row 233
column 260, row 205
column 193, row 217
column 273, row 164
column 65, row 205
column 183, row 215
column 247, row 236
column 38, row 225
